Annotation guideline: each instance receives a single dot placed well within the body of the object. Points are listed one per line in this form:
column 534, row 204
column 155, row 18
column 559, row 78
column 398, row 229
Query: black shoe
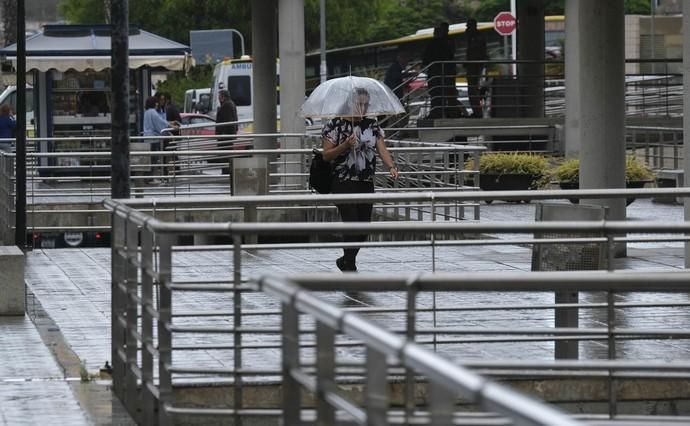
column 345, row 266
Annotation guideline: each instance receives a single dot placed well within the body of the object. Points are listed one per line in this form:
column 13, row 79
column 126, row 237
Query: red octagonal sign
column 505, row 23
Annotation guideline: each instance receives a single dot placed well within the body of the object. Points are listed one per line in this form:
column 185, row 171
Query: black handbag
column 320, row 173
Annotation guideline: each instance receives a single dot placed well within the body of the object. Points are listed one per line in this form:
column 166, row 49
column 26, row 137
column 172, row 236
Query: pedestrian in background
column 227, row 112
column 476, row 51
column 172, row 112
column 162, row 103
column 395, row 73
column 8, row 126
column 351, row 144
column 440, row 76
column 154, row 124
column 172, row 115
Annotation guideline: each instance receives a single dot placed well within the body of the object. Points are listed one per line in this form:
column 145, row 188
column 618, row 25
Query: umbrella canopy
column 351, row 97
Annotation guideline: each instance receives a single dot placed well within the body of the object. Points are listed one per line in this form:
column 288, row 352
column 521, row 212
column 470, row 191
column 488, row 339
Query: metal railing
column 65, row 188
column 445, row 380
column 152, row 264
column 660, row 147
column 650, row 92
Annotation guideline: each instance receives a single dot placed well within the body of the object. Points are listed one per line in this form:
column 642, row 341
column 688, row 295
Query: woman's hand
column 351, row 141
column 394, row 172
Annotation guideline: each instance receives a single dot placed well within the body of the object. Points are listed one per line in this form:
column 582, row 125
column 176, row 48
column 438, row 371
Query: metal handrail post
column 118, row 263
column 131, row 315
column 290, row 341
column 237, row 324
column 325, row 373
column 149, row 403
column 410, row 334
column 441, row 404
column 610, row 324
column 166, row 396
column 376, row 388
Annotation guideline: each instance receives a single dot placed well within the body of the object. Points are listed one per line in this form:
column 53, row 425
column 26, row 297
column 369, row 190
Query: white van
column 197, row 101
column 235, row 75
column 9, row 96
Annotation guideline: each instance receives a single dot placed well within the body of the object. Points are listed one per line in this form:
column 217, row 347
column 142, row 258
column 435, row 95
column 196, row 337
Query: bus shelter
column 70, row 67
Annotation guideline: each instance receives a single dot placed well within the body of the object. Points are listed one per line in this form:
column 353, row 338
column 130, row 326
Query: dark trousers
column 435, row 86
column 474, row 74
column 360, row 212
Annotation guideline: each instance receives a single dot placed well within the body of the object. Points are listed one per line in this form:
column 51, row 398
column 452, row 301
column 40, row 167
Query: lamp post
column 323, row 69
column 20, row 156
column 652, row 37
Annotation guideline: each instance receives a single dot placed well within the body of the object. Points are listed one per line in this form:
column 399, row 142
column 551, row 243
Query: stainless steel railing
column 445, row 380
column 65, row 188
column 650, row 92
column 660, row 147
column 424, row 321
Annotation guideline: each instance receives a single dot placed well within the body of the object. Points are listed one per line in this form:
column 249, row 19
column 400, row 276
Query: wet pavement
column 33, row 387
column 72, row 286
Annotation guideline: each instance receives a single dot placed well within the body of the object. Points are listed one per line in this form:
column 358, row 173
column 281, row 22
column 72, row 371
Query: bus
column 372, row 59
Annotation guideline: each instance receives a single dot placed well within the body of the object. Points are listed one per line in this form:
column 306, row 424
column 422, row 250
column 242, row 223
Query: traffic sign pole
column 513, row 38
column 505, row 24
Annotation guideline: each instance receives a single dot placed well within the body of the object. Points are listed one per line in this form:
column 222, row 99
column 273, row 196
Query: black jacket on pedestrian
column 226, row 113
column 394, row 79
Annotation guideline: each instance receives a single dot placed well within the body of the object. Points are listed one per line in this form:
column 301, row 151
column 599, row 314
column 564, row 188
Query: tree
column 637, row 7
column 9, row 21
column 83, row 11
column 177, row 83
column 487, row 9
column 172, row 19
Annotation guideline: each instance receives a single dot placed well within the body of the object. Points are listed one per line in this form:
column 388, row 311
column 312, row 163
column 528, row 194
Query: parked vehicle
column 197, row 101
column 9, row 96
column 192, row 124
column 197, row 119
column 236, row 76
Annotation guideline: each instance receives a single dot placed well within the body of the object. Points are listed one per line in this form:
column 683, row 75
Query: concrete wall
column 577, row 396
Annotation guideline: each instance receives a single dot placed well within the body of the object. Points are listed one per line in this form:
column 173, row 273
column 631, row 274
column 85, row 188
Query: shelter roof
column 82, row 47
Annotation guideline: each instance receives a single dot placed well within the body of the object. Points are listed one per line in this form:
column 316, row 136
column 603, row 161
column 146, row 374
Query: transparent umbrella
column 351, row 96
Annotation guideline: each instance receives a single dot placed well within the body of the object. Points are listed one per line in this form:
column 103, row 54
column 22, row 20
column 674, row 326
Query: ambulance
column 235, row 75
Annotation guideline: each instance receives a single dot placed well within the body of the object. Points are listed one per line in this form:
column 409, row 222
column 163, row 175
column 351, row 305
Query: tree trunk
column 106, row 9
column 9, row 21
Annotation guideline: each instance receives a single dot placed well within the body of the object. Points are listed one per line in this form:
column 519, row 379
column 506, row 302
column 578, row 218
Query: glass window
column 240, row 88
column 201, row 120
column 187, row 102
column 204, row 104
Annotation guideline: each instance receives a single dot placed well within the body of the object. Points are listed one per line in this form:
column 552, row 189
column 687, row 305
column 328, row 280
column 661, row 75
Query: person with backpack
column 351, row 144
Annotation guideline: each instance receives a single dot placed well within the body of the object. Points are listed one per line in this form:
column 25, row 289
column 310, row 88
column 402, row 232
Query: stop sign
column 505, row 23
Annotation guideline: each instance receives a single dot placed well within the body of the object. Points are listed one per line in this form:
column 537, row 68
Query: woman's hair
column 151, row 102
column 361, row 91
column 5, row 109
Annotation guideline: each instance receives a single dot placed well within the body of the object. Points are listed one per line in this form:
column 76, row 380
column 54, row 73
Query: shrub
column 511, row 163
column 635, row 170
column 568, row 171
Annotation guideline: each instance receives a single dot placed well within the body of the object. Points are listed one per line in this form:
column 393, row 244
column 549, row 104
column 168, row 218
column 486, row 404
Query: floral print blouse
column 356, row 164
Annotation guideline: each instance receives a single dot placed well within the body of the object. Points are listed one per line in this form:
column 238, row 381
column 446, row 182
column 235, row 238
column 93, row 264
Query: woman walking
column 351, row 144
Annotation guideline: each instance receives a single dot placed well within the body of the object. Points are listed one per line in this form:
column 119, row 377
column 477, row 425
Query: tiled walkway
column 73, row 286
column 33, row 388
